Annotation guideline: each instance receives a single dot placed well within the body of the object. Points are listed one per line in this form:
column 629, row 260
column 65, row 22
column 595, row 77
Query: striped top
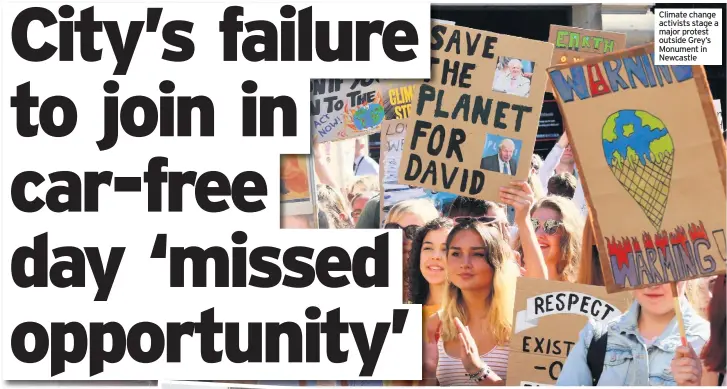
column 451, row 372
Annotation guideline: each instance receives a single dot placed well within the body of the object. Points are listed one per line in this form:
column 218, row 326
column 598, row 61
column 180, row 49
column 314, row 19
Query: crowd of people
column 461, row 265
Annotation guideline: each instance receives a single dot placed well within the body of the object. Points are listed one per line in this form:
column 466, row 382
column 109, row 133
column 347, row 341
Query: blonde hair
column 537, row 187
column 501, row 300
column 333, row 206
column 423, row 208
column 571, row 241
column 369, row 182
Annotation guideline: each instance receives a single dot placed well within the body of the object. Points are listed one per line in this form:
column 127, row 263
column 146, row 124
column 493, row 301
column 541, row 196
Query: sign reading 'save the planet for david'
column 652, row 161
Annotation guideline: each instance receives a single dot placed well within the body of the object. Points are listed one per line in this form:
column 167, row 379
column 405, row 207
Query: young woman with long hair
column 426, row 271
column 558, row 229
column 426, row 277
column 477, row 307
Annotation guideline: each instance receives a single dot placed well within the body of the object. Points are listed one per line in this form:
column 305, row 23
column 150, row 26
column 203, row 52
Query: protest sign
column 342, row 109
column 548, row 317
column 398, row 96
column 486, row 88
column 649, row 151
column 574, row 44
column 392, row 141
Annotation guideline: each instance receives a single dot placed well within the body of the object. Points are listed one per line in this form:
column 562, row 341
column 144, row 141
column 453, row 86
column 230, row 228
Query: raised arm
column 321, row 166
column 519, row 195
column 551, row 161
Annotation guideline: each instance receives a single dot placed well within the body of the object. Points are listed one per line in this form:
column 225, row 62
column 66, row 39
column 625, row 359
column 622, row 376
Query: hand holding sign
column 468, row 352
column 686, row 367
column 518, row 195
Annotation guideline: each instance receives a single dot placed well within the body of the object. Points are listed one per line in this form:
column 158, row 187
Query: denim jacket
column 628, row 360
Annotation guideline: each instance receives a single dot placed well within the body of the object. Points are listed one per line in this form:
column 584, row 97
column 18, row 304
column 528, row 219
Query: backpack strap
column 720, row 380
column 596, row 356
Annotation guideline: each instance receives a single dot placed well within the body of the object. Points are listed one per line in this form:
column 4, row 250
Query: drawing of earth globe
column 369, row 116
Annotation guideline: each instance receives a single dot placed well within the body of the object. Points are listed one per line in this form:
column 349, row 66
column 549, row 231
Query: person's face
column 358, row 207
column 549, row 243
column 434, row 251
column 657, row 300
column 506, row 152
column 467, row 267
column 515, row 69
column 567, row 156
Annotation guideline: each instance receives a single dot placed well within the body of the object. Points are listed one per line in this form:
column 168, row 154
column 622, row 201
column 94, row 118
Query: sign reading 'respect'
column 548, row 316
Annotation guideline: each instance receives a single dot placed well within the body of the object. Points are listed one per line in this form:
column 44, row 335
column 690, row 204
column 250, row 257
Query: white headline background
column 140, row 291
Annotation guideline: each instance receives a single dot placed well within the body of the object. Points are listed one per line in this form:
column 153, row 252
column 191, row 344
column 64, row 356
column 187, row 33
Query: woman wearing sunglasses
column 408, row 216
column 519, row 195
column 477, row 306
column 553, row 232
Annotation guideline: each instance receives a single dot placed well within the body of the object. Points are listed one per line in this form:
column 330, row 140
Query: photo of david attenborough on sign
column 512, row 76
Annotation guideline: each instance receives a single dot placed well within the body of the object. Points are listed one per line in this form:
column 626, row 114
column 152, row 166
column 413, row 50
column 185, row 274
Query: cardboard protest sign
column 342, row 109
column 574, row 44
column 398, row 96
column 486, row 89
column 652, row 163
column 548, row 317
column 392, row 142
column 297, row 188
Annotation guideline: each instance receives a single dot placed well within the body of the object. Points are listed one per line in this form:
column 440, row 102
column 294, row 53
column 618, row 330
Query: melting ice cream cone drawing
column 640, row 152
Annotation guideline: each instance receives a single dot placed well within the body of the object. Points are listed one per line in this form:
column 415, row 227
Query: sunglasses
column 409, row 231
column 470, row 219
column 550, row 226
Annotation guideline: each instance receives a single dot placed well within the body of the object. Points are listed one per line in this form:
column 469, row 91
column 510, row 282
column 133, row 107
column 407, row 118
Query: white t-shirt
column 365, row 165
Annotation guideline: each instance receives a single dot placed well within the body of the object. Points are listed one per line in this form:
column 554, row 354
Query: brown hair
column 563, row 184
column 713, row 352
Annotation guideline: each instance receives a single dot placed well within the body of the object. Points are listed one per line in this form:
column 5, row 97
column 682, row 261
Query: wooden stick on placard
column 678, row 311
